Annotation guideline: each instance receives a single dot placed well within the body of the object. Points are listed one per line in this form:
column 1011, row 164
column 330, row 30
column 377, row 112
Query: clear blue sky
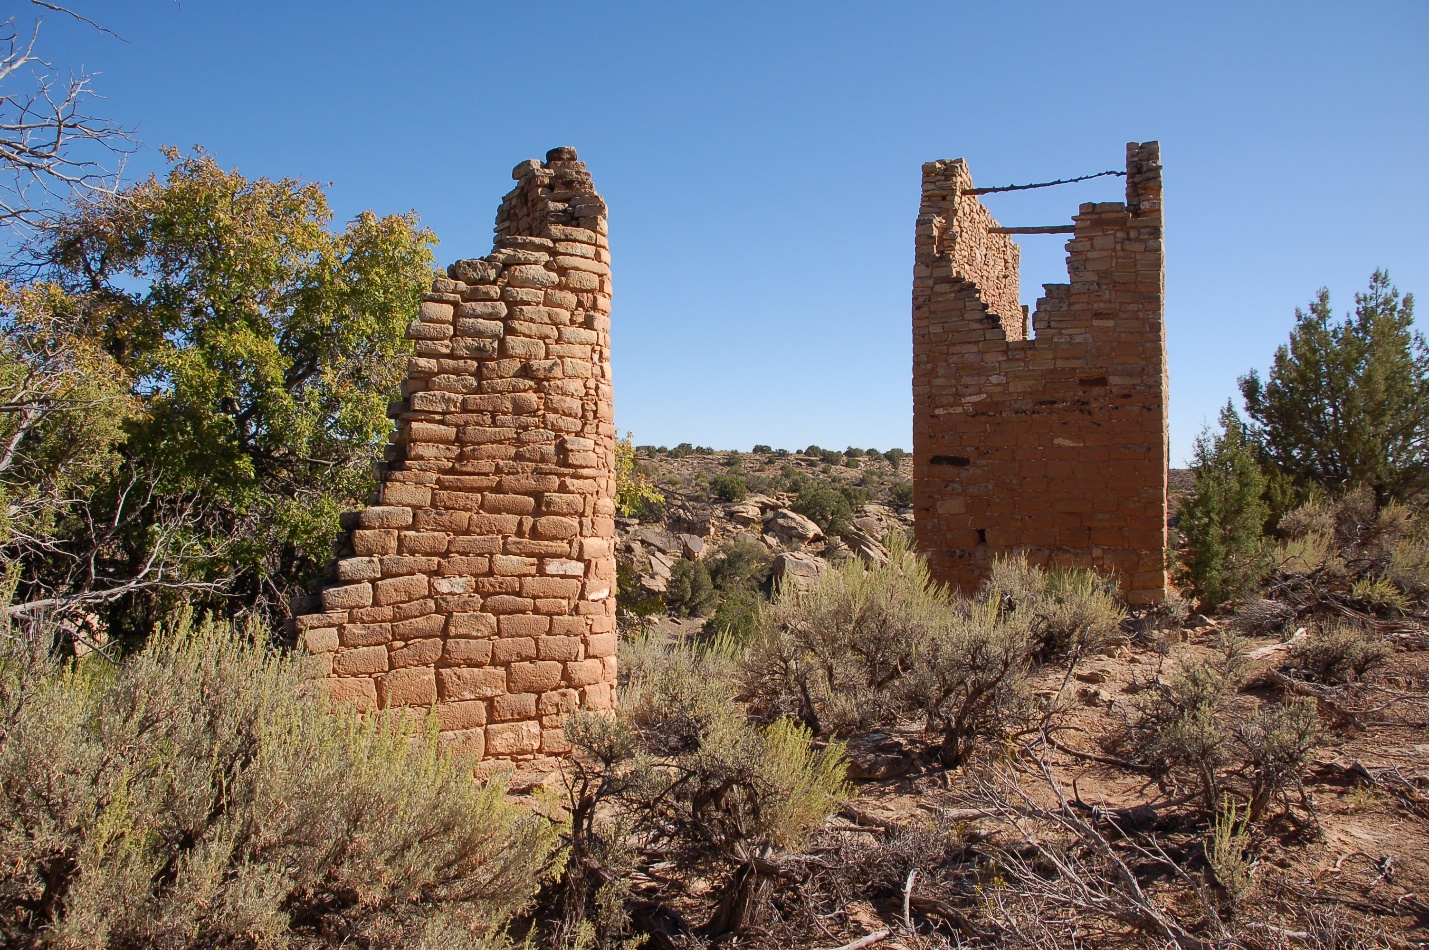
column 761, row 161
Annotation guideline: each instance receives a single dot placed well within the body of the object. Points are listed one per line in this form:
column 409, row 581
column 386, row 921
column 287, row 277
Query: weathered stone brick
column 347, row 597
column 361, row 691
column 360, row 660
column 407, row 687
column 471, row 683
column 399, row 590
column 537, row 677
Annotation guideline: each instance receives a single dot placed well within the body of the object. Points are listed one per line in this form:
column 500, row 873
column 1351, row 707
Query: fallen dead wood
column 870, row 940
column 1270, row 676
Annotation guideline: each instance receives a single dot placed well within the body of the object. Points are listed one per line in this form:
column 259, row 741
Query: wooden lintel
column 1049, row 229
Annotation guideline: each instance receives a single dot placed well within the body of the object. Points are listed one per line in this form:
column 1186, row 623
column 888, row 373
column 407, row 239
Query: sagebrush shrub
column 872, row 647
column 689, row 778
column 1340, row 653
column 1071, row 612
column 1188, row 725
column 202, row 794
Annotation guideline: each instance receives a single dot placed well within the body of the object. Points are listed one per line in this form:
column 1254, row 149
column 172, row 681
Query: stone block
column 467, row 652
column 397, row 590
column 471, row 625
column 471, row 683
column 347, row 597
column 407, row 687
column 361, row 691
column 513, row 738
column 362, row 660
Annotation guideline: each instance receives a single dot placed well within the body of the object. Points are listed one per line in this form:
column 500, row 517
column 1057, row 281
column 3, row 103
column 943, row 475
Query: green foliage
column 729, row 486
column 1187, row 725
column 900, row 493
column 1223, row 518
column 64, row 406
column 635, row 495
column 763, row 450
column 1340, row 653
column 261, row 346
column 201, row 794
column 684, row 775
column 1346, row 404
column 869, row 648
column 691, row 592
column 1070, row 613
column 740, row 564
column 740, row 617
column 826, row 503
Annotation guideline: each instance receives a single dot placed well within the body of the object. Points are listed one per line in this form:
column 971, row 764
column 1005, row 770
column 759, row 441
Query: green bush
column 1071, row 613
column 729, row 486
column 1222, row 521
column 683, row 773
column 826, row 506
column 873, row 648
column 202, row 794
column 742, row 563
column 740, row 617
column 690, row 592
column 900, row 493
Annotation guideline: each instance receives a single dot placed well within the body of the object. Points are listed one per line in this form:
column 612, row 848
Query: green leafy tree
column 1222, row 520
column 634, row 492
column 1346, row 404
column 262, row 345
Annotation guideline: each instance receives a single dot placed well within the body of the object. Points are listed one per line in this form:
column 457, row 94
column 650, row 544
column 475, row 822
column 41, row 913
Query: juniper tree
column 1222, row 520
column 1346, row 404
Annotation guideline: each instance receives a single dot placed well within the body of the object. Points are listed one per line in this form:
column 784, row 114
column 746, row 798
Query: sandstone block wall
column 1044, row 434
column 482, row 579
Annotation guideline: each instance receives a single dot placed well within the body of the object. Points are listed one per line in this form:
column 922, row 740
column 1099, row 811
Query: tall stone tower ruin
column 483, row 579
column 1042, row 434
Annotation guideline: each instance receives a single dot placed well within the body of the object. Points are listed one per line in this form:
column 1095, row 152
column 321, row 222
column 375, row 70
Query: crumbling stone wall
column 482, row 579
column 1045, row 435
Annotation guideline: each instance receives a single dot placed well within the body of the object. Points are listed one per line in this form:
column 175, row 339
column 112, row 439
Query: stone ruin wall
column 482, row 579
column 1045, row 435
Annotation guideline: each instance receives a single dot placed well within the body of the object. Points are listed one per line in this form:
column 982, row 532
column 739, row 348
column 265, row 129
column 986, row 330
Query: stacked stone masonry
column 481, row 582
column 1044, row 435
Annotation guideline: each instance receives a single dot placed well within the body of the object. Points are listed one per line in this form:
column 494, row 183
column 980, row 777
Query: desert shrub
column 872, row 648
column 763, row 450
column 895, row 457
column 1261, row 617
column 1340, row 653
column 826, row 506
column 1070, row 612
column 690, row 592
column 1180, row 725
column 1274, row 743
column 1187, row 725
column 1225, row 849
column 1353, row 552
column 729, row 486
column 741, row 616
column 1222, row 521
column 199, row 795
column 900, row 493
column 741, row 563
column 726, row 799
